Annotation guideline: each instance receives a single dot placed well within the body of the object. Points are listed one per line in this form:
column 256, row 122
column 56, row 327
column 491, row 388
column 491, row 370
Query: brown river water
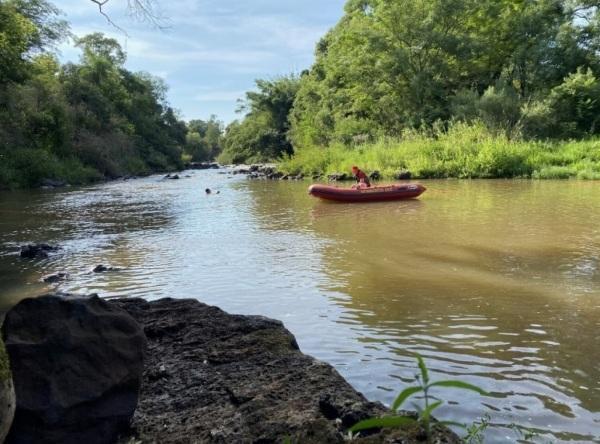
column 496, row 283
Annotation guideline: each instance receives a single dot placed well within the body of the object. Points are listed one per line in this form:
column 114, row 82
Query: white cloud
column 214, row 49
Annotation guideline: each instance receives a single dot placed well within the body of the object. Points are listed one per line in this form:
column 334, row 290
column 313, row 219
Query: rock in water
column 36, row 251
column 77, row 366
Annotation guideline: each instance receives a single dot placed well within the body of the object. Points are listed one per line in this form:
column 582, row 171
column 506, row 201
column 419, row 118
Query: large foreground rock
column 77, row 367
column 7, row 394
column 212, row 377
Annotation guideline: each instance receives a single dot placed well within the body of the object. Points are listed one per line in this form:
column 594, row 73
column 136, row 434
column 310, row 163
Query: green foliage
column 263, row 133
column 462, row 151
column 77, row 122
column 424, row 412
column 476, row 431
column 571, row 109
column 389, row 66
column 204, row 139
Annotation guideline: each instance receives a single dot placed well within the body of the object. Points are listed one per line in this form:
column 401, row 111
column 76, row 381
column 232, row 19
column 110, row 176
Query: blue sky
column 213, row 49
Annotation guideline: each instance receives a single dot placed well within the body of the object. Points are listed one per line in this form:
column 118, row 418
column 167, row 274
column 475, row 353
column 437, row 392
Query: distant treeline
column 85, row 121
column 515, row 69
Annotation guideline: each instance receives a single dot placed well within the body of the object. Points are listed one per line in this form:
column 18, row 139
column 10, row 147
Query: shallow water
column 496, row 283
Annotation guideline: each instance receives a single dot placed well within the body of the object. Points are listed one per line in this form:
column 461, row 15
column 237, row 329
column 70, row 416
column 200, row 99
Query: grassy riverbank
column 464, row 151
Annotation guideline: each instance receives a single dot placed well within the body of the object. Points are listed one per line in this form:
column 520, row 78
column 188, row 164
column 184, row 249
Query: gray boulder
column 77, row 366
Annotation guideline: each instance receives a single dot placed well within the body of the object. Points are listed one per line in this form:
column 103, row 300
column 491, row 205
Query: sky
column 212, row 50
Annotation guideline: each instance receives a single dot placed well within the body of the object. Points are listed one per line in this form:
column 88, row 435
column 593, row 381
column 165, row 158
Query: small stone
column 55, row 277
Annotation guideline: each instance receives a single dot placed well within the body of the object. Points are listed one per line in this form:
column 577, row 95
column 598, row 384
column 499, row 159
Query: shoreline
column 208, row 376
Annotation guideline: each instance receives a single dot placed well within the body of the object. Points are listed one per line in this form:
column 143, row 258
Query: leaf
column 453, row 423
column 386, row 421
column 459, row 384
column 427, row 412
column 404, row 394
column 423, row 367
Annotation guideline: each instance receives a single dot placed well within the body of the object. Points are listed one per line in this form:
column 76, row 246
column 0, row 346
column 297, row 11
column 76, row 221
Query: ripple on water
column 493, row 282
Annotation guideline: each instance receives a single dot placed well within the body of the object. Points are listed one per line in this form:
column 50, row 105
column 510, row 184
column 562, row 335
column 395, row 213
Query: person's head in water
column 208, row 191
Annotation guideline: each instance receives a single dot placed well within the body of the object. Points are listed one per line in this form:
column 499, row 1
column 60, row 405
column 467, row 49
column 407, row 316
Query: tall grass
column 462, row 151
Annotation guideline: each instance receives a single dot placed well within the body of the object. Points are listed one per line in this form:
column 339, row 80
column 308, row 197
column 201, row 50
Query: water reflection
column 494, row 282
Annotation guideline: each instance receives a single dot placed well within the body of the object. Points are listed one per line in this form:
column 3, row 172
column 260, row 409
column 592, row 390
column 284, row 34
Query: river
column 496, row 283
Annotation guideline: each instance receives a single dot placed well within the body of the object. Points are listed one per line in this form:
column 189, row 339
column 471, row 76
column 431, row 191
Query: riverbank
column 39, row 169
column 461, row 152
column 208, row 376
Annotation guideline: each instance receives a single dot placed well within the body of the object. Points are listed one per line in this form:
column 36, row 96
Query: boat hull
column 371, row 194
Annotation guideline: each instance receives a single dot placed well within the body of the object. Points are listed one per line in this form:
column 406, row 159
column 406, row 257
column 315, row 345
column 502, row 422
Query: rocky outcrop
column 37, row 251
column 7, row 394
column 77, row 366
column 212, row 377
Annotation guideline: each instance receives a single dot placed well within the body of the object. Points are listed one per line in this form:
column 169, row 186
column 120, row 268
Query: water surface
column 494, row 282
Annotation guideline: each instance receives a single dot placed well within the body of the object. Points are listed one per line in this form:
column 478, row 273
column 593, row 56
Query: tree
column 389, row 65
column 263, row 133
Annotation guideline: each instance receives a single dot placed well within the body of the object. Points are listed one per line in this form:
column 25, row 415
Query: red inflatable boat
column 371, row 194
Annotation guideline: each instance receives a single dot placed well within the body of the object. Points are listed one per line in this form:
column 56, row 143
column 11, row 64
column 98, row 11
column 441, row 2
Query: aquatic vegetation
column 424, row 411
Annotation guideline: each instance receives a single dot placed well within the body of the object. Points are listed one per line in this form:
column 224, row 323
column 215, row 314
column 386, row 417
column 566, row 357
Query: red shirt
column 361, row 176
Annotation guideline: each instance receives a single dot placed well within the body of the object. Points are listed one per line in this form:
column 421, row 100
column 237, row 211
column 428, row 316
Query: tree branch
column 141, row 10
column 100, row 4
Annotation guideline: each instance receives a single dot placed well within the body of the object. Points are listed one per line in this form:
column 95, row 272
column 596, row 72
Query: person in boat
column 361, row 177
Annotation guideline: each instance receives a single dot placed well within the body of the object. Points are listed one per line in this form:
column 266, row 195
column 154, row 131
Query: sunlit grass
column 464, row 151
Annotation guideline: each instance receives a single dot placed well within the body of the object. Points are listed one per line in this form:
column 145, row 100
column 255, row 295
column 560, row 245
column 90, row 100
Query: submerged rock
column 212, row 377
column 55, row 277
column 103, row 268
column 37, row 251
column 77, row 366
